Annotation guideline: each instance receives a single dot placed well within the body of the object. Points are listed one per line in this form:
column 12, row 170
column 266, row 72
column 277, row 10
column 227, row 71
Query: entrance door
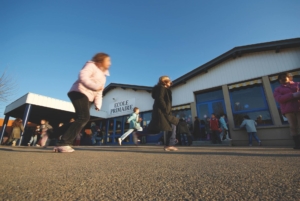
column 205, row 109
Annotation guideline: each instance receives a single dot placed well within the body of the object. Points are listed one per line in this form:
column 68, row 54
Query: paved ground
column 148, row 173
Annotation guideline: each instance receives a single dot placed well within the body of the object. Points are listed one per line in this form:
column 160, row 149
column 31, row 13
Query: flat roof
column 43, row 107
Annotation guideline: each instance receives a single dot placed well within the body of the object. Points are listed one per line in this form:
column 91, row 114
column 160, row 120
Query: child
column 214, row 127
column 77, row 140
column 251, row 129
column 134, row 121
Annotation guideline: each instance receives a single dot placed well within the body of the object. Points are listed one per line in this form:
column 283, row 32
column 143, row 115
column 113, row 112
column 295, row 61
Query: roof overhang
column 43, row 107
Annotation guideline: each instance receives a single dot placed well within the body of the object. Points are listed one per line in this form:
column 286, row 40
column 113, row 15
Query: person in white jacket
column 251, row 129
column 86, row 90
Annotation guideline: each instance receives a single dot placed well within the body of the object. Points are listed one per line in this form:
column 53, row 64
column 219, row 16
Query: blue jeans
column 33, row 139
column 250, row 137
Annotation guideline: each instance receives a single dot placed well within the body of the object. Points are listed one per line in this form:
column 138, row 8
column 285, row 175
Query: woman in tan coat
column 17, row 129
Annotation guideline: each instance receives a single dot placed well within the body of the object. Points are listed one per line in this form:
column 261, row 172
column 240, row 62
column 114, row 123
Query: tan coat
column 16, row 132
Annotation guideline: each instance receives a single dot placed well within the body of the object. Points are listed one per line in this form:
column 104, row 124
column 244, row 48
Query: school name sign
column 120, row 107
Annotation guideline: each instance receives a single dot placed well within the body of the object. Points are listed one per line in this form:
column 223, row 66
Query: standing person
column 77, row 140
column 17, row 129
column 183, row 132
column 34, row 136
column 288, row 96
column 214, row 127
column 134, row 124
column 162, row 119
column 251, row 129
column 207, row 128
column 86, row 90
column 196, row 131
column 46, row 131
column 224, row 128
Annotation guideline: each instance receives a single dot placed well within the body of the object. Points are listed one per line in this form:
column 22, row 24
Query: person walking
column 134, row 124
column 288, row 96
column 215, row 130
column 250, row 125
column 86, row 90
column 17, row 129
column 34, row 136
column 224, row 128
column 162, row 118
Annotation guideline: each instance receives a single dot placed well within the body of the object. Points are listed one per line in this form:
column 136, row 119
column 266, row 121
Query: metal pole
column 4, row 127
column 25, row 120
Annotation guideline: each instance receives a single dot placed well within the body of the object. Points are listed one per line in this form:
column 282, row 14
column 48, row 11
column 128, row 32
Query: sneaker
column 259, row 144
column 38, row 145
column 28, row 144
column 171, row 148
column 120, row 141
column 63, row 149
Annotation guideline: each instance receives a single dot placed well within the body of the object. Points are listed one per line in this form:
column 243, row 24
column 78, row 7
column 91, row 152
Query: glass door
column 204, row 110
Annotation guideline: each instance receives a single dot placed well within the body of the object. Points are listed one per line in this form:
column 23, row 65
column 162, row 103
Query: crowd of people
column 88, row 89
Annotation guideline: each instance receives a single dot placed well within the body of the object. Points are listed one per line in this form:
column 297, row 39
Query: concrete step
column 208, row 143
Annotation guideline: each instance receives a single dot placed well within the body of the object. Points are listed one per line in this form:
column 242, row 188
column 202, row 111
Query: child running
column 134, row 124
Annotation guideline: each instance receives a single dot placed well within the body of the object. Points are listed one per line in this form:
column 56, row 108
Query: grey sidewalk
column 149, row 173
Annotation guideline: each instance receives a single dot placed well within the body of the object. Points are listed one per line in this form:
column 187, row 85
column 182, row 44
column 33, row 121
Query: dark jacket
column 182, row 128
column 162, row 110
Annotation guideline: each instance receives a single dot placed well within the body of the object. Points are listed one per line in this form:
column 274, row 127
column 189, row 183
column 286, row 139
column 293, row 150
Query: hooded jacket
column 91, row 82
column 162, row 110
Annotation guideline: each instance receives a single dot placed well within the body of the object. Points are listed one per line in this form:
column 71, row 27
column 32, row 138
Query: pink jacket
column 91, row 81
column 284, row 96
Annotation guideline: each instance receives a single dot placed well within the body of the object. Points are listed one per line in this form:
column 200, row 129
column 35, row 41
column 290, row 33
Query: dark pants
column 82, row 111
column 215, row 137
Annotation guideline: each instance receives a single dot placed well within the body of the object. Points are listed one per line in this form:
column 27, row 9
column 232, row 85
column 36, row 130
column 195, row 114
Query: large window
column 250, row 100
column 274, row 85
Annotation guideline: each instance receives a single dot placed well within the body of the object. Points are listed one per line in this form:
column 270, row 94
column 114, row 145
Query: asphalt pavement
column 149, row 173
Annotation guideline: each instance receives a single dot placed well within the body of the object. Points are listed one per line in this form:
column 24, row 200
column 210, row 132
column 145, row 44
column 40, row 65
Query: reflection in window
column 185, row 114
column 274, row 85
column 146, row 116
column 119, row 125
column 110, row 130
column 250, row 100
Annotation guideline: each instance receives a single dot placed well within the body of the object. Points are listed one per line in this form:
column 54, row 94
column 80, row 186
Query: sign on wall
column 121, row 107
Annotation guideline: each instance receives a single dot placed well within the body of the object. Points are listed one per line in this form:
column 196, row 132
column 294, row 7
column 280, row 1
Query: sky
column 44, row 44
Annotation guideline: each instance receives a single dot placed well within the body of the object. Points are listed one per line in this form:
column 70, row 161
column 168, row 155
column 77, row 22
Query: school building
column 241, row 81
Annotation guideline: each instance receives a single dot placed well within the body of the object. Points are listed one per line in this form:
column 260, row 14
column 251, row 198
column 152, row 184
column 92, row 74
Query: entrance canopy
column 34, row 107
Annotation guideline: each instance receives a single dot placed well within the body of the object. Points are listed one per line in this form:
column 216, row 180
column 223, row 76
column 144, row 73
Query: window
column 209, row 96
column 146, row 116
column 274, row 85
column 251, row 101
